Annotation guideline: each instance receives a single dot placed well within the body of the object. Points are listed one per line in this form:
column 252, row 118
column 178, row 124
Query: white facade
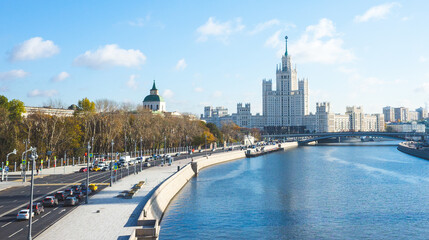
column 407, row 127
column 288, row 103
column 154, row 101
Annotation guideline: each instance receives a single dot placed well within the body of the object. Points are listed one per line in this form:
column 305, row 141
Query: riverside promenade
column 107, row 216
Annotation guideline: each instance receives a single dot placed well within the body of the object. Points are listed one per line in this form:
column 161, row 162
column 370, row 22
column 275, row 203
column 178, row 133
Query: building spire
column 286, row 45
column 154, row 87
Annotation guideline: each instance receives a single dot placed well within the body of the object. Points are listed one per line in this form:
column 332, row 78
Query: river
column 314, row 192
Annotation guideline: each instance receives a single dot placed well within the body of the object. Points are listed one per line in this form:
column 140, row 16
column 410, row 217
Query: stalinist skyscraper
column 285, row 106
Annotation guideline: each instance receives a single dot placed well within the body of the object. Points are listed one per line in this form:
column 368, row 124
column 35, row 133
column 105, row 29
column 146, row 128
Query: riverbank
column 414, row 149
column 155, row 207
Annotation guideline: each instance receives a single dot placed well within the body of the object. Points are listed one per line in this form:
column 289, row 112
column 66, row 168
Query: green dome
column 153, row 98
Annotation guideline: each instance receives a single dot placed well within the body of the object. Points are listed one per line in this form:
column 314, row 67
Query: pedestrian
column 37, row 170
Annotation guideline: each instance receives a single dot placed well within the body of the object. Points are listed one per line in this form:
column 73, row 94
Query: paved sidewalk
column 107, row 216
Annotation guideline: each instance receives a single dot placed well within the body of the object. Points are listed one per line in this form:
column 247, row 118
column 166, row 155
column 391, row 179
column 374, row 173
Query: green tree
column 4, row 102
column 16, row 109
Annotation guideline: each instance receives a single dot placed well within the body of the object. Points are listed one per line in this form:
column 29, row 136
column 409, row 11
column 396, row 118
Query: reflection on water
column 329, row 192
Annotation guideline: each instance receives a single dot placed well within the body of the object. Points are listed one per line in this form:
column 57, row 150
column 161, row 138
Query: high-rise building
column 389, row 114
column 286, row 105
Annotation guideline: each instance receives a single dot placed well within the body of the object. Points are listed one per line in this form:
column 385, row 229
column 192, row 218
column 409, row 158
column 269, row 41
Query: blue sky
column 368, row 53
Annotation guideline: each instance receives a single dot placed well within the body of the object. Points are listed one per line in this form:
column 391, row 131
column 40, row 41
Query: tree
column 4, row 102
column 16, row 109
column 85, row 105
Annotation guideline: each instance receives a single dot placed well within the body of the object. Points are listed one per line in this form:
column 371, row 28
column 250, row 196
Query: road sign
column 115, row 166
column 7, row 169
column 24, row 161
column 90, row 155
column 7, row 163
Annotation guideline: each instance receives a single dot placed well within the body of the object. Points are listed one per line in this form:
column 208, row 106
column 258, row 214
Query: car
column 60, row 195
column 214, row 149
column 105, row 168
column 146, row 164
column 101, row 164
column 75, row 188
column 83, row 191
column 71, row 201
column 68, row 192
column 93, row 187
column 79, row 195
column 96, row 169
column 178, row 154
column 37, row 208
column 24, row 214
column 50, row 201
column 139, row 158
column 84, row 169
column 200, row 150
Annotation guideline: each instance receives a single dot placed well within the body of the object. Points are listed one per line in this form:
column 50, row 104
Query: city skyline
column 214, row 57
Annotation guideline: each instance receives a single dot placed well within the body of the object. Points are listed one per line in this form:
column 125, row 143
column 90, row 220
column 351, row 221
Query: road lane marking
column 1, row 206
column 46, row 214
column 7, row 224
column 63, row 184
column 35, row 221
column 55, row 209
column 15, row 200
column 62, row 211
column 13, row 234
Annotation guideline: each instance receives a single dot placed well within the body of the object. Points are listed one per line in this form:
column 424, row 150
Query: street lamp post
column 135, row 148
column 22, row 158
column 87, row 174
column 205, row 137
column 111, row 166
column 33, row 158
column 7, row 163
column 187, row 148
column 141, row 149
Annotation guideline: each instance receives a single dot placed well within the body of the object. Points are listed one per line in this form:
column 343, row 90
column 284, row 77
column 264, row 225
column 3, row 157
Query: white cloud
column 13, row 74
column 265, row 25
column 320, row 43
column 422, row 59
column 199, row 89
column 131, row 83
column 111, row 55
column 139, row 22
column 168, row 93
column 42, row 93
column 217, row 94
column 424, row 87
column 181, row 65
column 376, row 12
column 60, row 77
column 220, row 30
column 34, row 48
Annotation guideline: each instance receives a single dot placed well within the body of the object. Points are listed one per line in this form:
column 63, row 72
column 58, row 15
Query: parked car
column 50, row 201
column 83, row 191
column 37, row 208
column 68, row 192
column 105, row 168
column 200, row 150
column 84, row 169
column 93, row 187
column 24, row 214
column 75, row 188
column 71, row 201
column 79, row 196
column 146, row 164
column 60, row 195
column 178, row 154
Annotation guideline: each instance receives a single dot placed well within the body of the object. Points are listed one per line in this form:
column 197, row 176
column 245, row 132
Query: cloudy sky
column 369, row 53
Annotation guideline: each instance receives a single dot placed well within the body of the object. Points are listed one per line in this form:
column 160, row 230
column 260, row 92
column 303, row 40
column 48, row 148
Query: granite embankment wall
column 160, row 199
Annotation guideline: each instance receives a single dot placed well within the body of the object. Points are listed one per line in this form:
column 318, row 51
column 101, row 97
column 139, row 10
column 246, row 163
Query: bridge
column 306, row 138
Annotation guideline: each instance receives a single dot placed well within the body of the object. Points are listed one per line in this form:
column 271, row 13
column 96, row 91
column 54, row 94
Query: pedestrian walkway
column 107, row 216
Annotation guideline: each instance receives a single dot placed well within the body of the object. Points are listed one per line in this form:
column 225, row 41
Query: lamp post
column 22, row 158
column 33, row 158
column 205, row 137
column 92, row 147
column 111, row 166
column 7, row 163
column 187, row 148
column 25, row 177
column 141, row 149
column 135, row 148
column 87, row 174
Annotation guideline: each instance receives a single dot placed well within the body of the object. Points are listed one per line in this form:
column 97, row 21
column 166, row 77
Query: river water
column 314, row 192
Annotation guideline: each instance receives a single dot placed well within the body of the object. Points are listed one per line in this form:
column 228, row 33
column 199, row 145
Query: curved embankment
column 409, row 148
column 156, row 205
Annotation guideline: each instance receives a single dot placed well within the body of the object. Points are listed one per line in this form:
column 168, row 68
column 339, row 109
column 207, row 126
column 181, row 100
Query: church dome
column 153, row 98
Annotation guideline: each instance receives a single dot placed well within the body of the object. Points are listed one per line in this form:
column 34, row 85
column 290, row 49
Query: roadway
column 14, row 199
